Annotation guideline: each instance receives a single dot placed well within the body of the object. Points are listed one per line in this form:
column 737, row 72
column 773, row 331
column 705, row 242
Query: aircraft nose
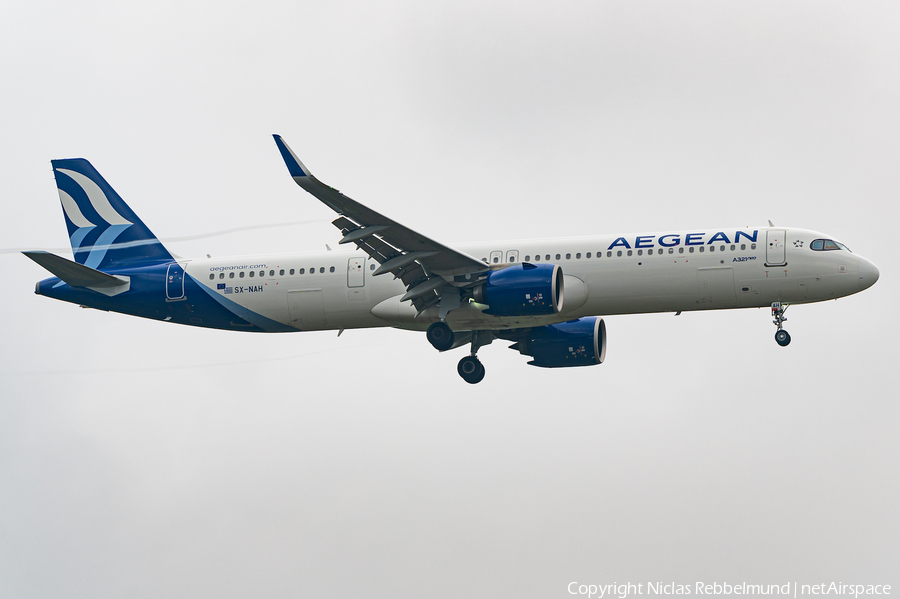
column 868, row 274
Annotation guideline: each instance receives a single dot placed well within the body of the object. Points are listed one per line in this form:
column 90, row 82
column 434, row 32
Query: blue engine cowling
column 523, row 290
column 579, row 342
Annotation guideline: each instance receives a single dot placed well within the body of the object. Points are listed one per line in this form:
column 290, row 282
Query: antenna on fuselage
column 770, row 224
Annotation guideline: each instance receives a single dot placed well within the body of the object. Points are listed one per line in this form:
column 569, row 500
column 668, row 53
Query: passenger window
column 588, row 255
column 372, row 266
column 568, row 256
column 702, row 249
column 292, row 272
column 271, row 273
column 619, row 253
column 496, row 260
column 712, row 248
column 691, row 250
column 547, row 257
column 221, row 275
column 671, row 250
column 721, row 248
column 558, row 257
column 262, row 273
column 629, row 252
column 578, row 256
column 252, row 274
column 322, row 270
column 281, row 272
column 752, row 246
column 527, row 258
column 211, row 276
column 231, row 275
column 640, row 252
column 609, row 254
column 743, row 246
column 302, row 271
column 537, row 258
column 241, row 275
column 329, row 270
column 732, row 248
column 680, row 250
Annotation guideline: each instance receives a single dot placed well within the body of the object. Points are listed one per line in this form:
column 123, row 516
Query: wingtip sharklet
column 294, row 166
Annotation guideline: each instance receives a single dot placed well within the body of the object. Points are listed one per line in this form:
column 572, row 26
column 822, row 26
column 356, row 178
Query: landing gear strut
column 470, row 367
column 782, row 337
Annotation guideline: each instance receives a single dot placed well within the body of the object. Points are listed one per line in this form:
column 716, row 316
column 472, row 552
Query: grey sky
column 144, row 460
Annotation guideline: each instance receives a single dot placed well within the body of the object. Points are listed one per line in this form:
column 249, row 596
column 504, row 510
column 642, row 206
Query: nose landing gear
column 782, row 337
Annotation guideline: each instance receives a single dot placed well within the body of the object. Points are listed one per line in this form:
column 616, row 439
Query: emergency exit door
column 356, row 272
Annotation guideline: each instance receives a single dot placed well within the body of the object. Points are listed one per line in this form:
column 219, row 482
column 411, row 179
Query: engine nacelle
column 579, row 342
column 522, row 290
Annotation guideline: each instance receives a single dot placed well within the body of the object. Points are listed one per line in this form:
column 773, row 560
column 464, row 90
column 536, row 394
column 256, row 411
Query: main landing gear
column 782, row 337
column 440, row 336
column 470, row 367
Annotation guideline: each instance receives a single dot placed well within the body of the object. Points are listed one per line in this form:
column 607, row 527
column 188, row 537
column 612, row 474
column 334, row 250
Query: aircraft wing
column 410, row 256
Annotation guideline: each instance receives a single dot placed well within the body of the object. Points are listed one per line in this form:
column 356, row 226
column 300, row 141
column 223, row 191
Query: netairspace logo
column 791, row 589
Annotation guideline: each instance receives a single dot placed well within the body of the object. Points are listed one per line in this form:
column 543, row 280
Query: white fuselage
column 604, row 275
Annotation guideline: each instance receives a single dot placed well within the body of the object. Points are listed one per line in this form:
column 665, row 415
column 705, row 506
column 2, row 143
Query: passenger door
column 775, row 247
column 175, row 281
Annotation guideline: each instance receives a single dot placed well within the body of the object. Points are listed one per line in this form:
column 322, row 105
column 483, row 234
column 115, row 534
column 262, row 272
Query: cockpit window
column 821, row 245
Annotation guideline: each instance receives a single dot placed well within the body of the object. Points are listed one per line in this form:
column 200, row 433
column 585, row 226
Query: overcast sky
column 140, row 459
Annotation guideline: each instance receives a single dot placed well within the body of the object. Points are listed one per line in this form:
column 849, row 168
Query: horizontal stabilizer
column 74, row 274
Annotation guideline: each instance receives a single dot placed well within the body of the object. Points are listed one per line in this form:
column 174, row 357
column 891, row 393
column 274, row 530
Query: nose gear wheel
column 782, row 337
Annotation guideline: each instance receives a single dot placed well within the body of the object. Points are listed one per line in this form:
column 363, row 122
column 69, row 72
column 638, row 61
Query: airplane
column 546, row 296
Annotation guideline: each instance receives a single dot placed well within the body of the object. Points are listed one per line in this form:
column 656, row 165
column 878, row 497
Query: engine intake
column 522, row 290
column 579, row 342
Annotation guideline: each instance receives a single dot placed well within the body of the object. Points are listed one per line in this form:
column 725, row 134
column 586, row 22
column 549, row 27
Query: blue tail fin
column 103, row 230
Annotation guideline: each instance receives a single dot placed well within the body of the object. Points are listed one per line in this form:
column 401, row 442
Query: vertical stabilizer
column 103, row 230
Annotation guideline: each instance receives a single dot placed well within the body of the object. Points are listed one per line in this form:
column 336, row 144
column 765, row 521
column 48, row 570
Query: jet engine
column 579, row 342
column 522, row 290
